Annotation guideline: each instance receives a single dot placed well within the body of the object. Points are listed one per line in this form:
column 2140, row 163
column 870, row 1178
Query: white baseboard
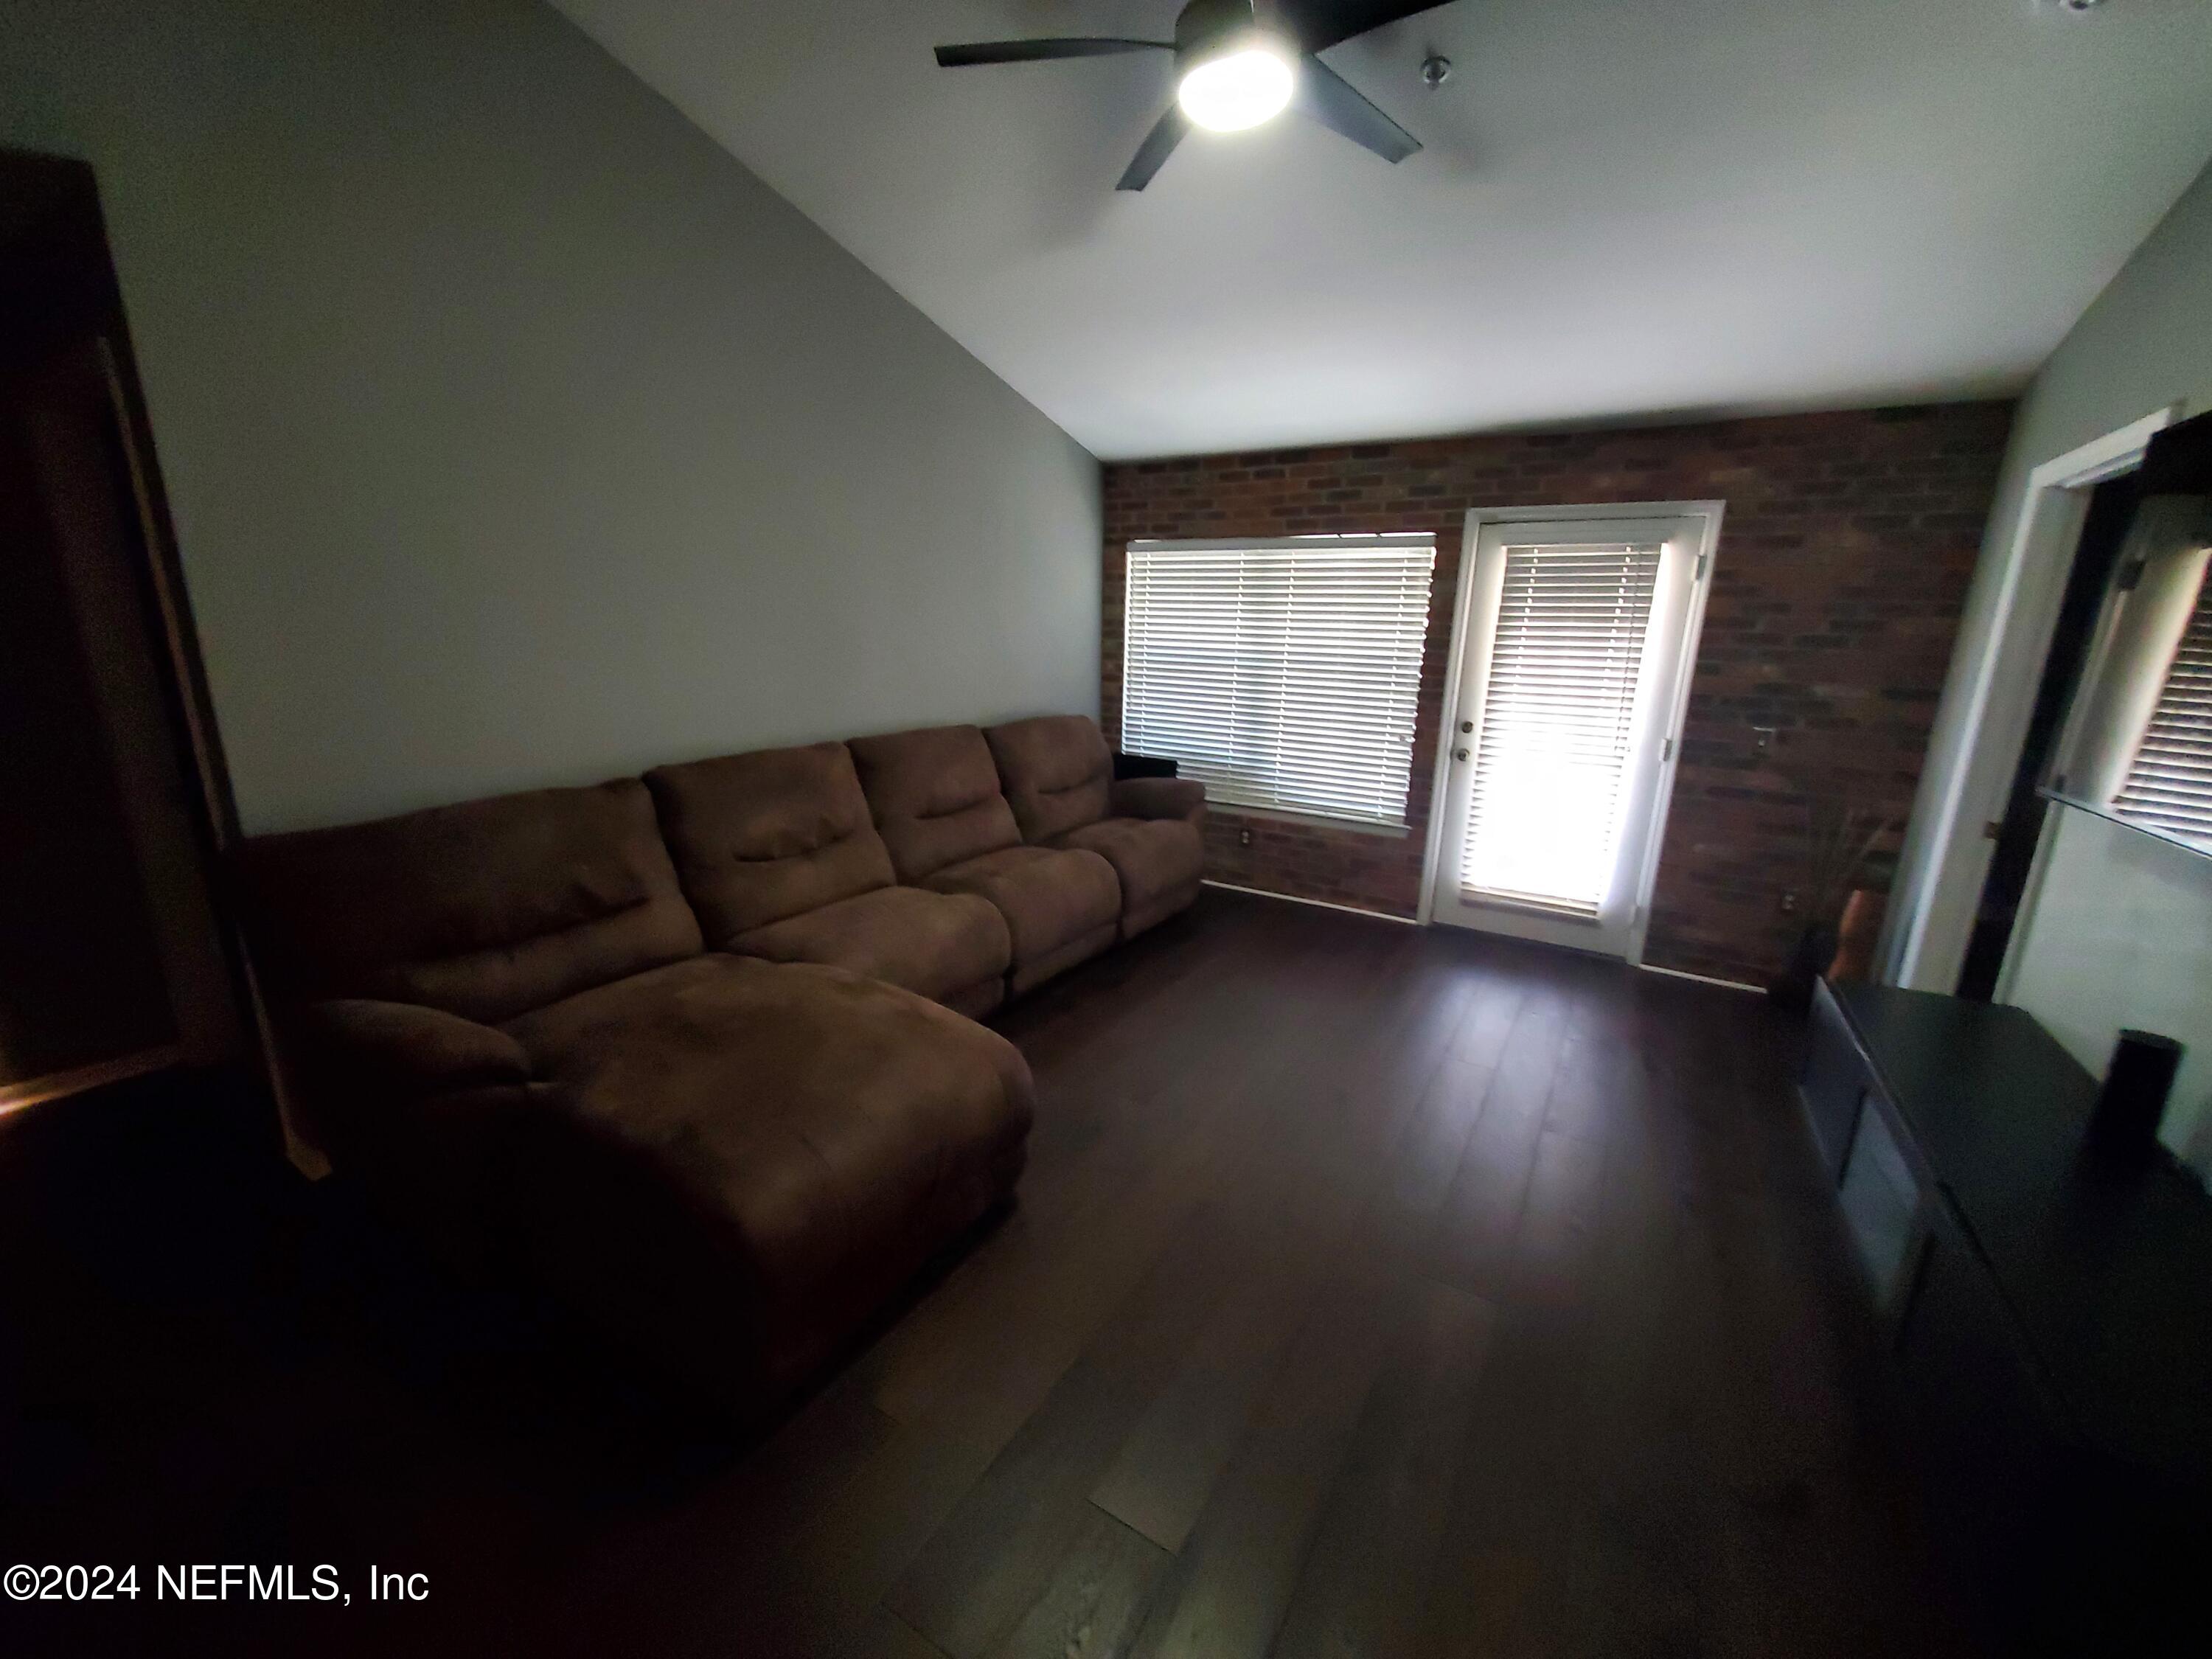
column 1320, row 904
column 1705, row 979
column 1408, row 921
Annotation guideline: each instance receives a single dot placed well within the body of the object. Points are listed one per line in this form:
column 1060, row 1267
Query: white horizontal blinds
column 1281, row 675
column 2169, row 786
column 1557, row 708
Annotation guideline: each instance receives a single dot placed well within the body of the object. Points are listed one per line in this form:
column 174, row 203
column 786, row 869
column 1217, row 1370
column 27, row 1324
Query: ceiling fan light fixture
column 1245, row 80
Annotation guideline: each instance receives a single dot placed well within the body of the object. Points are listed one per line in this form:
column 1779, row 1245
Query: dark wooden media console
column 2049, row 1310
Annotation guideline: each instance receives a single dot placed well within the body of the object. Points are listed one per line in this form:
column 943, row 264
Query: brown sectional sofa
column 689, row 1052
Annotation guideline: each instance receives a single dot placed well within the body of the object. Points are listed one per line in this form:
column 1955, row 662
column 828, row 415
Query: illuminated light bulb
column 1247, row 83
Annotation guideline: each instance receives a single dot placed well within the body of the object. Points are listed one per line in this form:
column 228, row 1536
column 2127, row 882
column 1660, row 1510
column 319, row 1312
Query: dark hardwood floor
column 1372, row 1291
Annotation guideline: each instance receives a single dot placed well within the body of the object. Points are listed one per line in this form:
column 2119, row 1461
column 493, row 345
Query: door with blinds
column 1561, row 744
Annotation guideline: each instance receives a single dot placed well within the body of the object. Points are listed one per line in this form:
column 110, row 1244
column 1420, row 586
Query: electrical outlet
column 1789, row 904
column 1243, row 837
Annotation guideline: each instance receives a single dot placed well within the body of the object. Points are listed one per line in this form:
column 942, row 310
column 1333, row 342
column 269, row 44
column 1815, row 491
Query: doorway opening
column 112, row 961
column 1974, row 762
column 1568, row 680
column 2017, row 834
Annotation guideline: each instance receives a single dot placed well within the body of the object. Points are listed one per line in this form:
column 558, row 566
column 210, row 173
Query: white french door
column 1576, row 642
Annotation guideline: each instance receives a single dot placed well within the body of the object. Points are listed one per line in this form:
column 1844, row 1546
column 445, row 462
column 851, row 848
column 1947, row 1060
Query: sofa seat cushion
column 932, row 943
column 761, row 1153
column 1151, row 857
column 1050, row 897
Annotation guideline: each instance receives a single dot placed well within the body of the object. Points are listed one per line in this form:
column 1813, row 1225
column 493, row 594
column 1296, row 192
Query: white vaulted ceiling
column 1625, row 206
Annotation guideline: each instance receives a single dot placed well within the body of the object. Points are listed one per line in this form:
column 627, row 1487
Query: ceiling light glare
column 1238, row 87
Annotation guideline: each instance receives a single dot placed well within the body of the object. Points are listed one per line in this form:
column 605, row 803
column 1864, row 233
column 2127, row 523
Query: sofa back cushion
column 1056, row 772
column 761, row 837
column 487, row 909
column 935, row 796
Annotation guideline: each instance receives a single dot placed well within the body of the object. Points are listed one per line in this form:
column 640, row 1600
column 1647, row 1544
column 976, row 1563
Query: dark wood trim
column 72, row 280
column 58, row 282
column 172, row 604
column 55, row 1086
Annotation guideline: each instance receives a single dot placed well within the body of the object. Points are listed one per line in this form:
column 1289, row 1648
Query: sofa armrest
column 1158, row 797
column 1142, row 766
column 428, row 1112
column 408, row 1049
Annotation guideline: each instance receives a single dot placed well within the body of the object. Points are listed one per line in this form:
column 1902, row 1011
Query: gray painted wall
column 518, row 434
column 2120, row 928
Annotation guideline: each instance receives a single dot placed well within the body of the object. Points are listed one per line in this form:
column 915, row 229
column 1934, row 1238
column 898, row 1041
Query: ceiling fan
column 1238, row 63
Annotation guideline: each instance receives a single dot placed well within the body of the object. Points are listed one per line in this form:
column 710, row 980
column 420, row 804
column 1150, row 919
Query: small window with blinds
column 1553, row 752
column 1282, row 674
column 2169, row 783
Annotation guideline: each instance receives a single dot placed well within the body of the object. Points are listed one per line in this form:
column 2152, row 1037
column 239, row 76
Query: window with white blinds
column 1281, row 674
column 2169, row 784
column 1558, row 704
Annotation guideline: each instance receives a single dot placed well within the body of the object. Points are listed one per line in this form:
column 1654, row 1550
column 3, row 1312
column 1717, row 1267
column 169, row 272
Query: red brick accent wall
column 1845, row 555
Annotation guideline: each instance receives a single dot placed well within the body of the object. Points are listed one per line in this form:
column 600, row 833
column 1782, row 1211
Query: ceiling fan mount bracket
column 1203, row 24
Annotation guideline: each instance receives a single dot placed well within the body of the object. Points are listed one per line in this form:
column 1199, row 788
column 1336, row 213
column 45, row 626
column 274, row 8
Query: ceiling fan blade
column 1325, row 96
column 1321, row 23
column 1035, row 51
column 1159, row 144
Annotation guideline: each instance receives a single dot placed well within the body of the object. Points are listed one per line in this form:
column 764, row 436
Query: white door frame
column 1708, row 514
column 1937, row 915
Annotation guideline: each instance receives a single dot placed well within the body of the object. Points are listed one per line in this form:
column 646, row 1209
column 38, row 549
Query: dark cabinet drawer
column 1884, row 1206
column 2008, row 1476
column 1973, row 1381
column 1833, row 1083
